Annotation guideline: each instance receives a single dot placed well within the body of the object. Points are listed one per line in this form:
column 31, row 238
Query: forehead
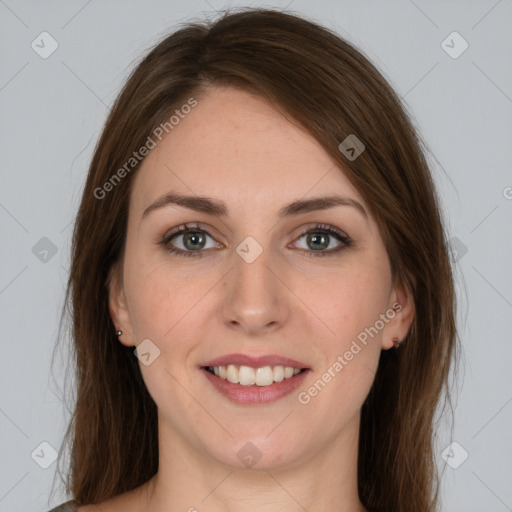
column 234, row 145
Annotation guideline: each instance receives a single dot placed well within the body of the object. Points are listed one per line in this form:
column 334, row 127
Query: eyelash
column 319, row 228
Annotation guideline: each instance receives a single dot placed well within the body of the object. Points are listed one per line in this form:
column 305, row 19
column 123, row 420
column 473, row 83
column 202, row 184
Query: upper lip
column 255, row 362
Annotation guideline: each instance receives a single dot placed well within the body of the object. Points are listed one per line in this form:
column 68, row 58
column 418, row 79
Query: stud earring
column 118, row 333
column 396, row 343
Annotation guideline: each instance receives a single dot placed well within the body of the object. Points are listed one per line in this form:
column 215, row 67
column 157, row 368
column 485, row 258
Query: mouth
column 247, row 376
column 247, row 380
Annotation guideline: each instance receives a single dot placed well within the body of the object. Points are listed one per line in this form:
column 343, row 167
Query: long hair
column 324, row 84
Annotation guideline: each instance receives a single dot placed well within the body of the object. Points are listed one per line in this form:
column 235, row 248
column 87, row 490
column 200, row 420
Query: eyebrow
column 219, row 209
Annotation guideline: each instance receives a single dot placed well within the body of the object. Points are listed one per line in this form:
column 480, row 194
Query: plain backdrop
column 53, row 108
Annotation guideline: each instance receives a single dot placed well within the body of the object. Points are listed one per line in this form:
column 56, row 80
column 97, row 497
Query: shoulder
column 69, row 506
column 73, row 506
column 128, row 501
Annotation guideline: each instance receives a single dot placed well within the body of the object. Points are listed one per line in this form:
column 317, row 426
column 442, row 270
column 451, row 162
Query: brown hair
column 323, row 83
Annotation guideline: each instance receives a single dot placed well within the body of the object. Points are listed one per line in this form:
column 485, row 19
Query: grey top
column 69, row 506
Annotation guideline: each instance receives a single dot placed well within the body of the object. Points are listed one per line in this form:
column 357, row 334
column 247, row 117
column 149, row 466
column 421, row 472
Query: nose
column 256, row 300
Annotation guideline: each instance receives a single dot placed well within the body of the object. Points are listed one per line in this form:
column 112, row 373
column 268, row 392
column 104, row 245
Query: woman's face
column 254, row 284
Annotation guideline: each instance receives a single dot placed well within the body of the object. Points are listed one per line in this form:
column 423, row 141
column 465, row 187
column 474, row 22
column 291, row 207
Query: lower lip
column 255, row 394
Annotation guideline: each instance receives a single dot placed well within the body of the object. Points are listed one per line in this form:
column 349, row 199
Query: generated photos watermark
column 138, row 156
column 304, row 397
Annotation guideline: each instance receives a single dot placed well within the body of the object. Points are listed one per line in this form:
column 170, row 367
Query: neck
column 189, row 479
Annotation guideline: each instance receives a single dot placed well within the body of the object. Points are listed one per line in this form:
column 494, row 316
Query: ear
column 117, row 305
column 402, row 303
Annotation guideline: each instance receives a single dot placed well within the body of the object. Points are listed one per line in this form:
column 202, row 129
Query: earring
column 118, row 333
column 396, row 343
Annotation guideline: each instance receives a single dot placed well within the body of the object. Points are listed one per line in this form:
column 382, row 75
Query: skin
column 235, row 147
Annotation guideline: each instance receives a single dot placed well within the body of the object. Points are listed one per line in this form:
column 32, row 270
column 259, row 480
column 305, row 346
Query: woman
column 262, row 300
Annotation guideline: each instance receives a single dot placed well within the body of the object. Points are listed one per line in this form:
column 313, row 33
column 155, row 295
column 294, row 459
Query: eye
column 320, row 237
column 193, row 241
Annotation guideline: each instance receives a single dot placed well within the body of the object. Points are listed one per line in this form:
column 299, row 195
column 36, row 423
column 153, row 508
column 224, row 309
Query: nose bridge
column 256, row 299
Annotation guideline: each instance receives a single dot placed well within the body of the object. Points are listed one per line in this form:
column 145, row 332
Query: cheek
column 349, row 301
column 149, row 299
column 159, row 297
column 161, row 308
column 352, row 309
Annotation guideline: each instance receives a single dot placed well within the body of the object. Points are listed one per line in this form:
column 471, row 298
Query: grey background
column 53, row 110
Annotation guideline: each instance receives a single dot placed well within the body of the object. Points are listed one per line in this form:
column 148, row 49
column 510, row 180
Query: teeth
column 232, row 374
column 288, row 372
column 247, row 376
column 278, row 373
column 264, row 376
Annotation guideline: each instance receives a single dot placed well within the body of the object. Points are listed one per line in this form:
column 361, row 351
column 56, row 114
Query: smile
column 248, row 380
column 247, row 376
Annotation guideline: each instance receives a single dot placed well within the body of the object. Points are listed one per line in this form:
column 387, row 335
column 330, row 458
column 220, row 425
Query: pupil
column 324, row 237
column 195, row 237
